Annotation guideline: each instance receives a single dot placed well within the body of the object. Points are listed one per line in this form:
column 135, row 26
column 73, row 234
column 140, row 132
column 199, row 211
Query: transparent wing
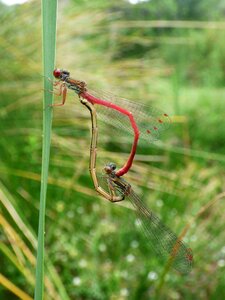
column 150, row 121
column 160, row 238
column 164, row 242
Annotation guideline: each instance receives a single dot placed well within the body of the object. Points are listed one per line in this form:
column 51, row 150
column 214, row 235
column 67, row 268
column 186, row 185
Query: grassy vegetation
column 49, row 16
column 92, row 248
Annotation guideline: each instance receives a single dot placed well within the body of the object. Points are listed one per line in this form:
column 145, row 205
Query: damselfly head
column 110, row 168
column 61, row 74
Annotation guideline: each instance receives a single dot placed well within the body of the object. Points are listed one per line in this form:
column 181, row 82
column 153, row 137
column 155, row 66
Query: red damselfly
column 114, row 188
column 133, row 117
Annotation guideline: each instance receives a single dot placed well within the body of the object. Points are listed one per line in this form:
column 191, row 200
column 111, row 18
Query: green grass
column 91, row 248
column 49, row 14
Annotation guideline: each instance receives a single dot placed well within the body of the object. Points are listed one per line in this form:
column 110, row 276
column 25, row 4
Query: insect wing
column 150, row 121
column 164, row 242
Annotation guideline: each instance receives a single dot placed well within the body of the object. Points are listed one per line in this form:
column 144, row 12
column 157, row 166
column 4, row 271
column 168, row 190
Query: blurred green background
column 168, row 54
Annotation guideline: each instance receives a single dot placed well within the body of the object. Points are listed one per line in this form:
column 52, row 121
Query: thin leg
column 55, row 83
column 114, row 197
column 63, row 93
column 50, row 80
column 111, row 188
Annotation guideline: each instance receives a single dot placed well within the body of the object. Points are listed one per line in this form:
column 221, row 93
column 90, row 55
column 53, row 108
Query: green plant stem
column 49, row 13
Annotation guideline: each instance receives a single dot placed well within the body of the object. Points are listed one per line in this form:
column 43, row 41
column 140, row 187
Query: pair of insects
column 143, row 122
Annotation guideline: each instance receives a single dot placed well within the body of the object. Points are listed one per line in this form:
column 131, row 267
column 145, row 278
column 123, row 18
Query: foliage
column 92, row 248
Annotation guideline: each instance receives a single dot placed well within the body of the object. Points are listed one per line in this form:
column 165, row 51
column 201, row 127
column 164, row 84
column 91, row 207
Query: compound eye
column 112, row 166
column 66, row 72
column 57, row 73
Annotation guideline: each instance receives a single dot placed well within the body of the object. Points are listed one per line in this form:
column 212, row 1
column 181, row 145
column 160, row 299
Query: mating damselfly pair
column 143, row 122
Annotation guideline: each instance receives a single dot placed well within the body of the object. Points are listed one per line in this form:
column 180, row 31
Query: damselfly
column 161, row 239
column 133, row 117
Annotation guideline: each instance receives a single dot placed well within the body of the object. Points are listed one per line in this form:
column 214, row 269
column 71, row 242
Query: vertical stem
column 49, row 13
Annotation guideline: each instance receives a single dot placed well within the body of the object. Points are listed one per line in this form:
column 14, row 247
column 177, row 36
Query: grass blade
column 49, row 13
column 13, row 288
